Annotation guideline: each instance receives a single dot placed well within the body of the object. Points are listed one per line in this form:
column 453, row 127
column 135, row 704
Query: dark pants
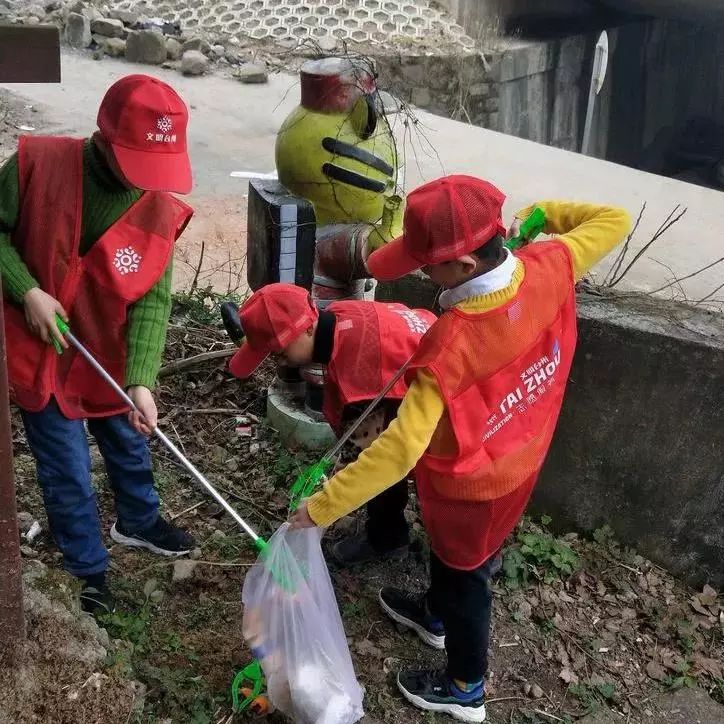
column 62, row 458
column 386, row 525
column 463, row 601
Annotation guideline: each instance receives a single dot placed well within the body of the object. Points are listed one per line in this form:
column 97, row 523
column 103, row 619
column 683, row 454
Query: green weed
column 539, row 554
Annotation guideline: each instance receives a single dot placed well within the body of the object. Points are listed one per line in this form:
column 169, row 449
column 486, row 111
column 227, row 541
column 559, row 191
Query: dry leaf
column 708, row 596
column 696, row 605
column 711, row 666
column 656, row 671
column 568, row 676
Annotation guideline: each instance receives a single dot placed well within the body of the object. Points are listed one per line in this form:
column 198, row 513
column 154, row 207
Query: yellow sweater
column 590, row 232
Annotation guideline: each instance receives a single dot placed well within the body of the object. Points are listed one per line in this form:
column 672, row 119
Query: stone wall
column 533, row 90
column 640, row 442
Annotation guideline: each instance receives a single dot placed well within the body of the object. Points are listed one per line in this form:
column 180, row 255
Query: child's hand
column 514, row 229
column 300, row 518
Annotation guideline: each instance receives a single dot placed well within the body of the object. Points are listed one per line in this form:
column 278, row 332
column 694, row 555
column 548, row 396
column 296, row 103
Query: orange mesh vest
column 372, row 341
column 502, row 375
column 96, row 290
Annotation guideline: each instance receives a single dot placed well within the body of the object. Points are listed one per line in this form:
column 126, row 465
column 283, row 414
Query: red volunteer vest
column 96, row 290
column 502, row 375
column 372, row 341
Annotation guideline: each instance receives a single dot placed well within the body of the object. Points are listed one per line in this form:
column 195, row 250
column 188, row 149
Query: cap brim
column 153, row 171
column 246, row 360
column 392, row 261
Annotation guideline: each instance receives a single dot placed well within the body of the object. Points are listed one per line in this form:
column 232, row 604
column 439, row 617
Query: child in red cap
column 87, row 229
column 485, row 390
column 361, row 345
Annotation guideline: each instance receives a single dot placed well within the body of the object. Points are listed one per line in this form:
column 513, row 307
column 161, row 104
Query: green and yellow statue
column 337, row 195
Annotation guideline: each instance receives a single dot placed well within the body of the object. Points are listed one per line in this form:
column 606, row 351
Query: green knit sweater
column 104, row 201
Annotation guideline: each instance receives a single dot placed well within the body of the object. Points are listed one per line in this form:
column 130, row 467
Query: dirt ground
column 579, row 625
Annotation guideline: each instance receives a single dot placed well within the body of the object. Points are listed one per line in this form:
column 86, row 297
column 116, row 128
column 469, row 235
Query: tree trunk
column 12, row 620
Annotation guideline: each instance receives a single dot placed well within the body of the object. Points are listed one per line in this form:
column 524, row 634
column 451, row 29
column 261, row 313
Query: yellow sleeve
column 388, row 459
column 589, row 231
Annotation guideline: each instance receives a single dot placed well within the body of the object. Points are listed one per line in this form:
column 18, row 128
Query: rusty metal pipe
column 12, row 619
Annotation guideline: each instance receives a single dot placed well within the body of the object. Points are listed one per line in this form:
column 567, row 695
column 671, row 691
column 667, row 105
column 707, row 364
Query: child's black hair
column 491, row 251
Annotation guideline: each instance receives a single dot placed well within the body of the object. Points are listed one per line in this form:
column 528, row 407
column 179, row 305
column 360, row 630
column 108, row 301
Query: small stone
column 478, row 90
column 25, row 520
column 77, row 31
column 183, row 570
column 218, row 535
column 146, row 46
column 127, row 17
column 115, row 47
column 28, row 552
column 233, row 40
column 328, row 43
column 194, row 62
column 536, row 692
column 174, row 49
column 108, row 28
column 98, row 54
column 252, row 73
column 217, row 51
column 32, row 20
column 196, row 44
column 254, row 448
column 195, row 554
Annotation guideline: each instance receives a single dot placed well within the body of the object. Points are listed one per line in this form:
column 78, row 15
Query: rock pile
column 104, row 30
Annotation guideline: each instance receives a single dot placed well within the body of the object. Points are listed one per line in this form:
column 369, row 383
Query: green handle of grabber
column 529, row 229
column 63, row 328
column 253, row 674
column 307, row 481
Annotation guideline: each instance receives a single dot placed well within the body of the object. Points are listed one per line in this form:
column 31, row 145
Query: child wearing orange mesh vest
column 485, row 389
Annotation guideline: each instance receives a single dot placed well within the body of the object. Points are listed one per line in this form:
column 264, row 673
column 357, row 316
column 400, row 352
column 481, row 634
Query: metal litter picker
column 64, row 329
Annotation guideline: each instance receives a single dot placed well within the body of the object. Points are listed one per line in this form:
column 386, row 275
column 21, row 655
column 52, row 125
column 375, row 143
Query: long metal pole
column 12, row 619
column 176, row 452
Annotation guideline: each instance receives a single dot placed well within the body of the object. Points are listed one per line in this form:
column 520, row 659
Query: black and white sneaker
column 412, row 612
column 432, row 691
column 97, row 600
column 162, row 538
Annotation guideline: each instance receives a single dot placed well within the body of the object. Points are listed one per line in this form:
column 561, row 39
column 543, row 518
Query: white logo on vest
column 127, row 260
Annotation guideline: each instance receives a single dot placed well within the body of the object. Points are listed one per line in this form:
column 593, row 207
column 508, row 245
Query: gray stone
column 196, row 44
column 194, row 62
column 146, row 46
column 252, row 73
column 32, row 20
column 127, row 17
column 691, row 706
column 183, row 570
column 115, row 47
column 421, row 97
column 28, row 552
column 77, row 31
column 478, row 90
column 109, row 28
column 328, row 43
column 174, row 49
column 217, row 51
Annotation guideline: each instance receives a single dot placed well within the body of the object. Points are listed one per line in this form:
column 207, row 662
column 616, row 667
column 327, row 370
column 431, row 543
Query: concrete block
column 295, row 427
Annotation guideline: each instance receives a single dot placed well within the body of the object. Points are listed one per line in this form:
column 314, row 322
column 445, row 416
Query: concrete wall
column 640, row 441
column 532, row 90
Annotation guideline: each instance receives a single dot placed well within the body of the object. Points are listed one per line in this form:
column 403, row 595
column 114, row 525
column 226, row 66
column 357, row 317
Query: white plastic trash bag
column 292, row 623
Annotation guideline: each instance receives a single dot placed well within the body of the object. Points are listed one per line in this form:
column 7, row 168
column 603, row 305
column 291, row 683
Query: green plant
column 682, row 678
column 201, row 304
column 591, row 696
column 540, row 554
column 132, row 627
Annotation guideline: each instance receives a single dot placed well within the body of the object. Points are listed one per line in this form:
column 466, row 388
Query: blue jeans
column 63, row 464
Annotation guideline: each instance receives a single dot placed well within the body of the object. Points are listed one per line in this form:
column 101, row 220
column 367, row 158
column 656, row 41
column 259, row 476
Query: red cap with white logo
column 144, row 121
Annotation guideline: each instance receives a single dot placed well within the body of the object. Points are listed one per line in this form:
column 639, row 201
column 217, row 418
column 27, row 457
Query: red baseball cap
column 271, row 319
column 444, row 220
column 144, row 121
